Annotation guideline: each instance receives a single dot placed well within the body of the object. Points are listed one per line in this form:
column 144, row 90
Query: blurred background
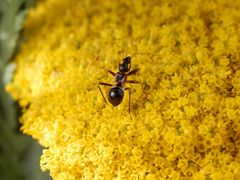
column 19, row 154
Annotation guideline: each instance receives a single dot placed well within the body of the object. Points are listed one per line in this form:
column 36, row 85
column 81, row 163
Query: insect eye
column 128, row 59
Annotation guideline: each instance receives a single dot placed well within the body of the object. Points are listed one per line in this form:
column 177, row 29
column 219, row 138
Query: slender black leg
column 129, row 98
column 133, row 71
column 109, row 71
column 135, row 82
column 103, row 84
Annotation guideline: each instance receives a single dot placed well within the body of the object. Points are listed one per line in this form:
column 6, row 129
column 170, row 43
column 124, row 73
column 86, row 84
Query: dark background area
column 19, row 154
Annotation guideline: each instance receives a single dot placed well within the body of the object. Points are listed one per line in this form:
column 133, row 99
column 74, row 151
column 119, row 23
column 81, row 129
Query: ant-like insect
column 116, row 93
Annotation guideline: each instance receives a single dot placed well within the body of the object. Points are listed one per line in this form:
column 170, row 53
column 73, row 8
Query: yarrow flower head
column 184, row 123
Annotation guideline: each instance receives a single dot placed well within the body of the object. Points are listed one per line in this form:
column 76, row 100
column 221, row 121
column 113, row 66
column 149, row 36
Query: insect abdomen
column 115, row 95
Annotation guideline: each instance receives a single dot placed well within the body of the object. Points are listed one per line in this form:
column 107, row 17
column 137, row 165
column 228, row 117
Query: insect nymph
column 116, row 93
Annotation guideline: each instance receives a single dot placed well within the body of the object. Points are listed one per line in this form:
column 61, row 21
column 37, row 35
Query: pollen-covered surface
column 183, row 124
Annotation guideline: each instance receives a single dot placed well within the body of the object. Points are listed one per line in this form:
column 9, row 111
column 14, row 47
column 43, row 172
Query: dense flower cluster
column 185, row 122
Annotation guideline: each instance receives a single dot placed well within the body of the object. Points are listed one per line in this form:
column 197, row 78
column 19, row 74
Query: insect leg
column 133, row 71
column 109, row 71
column 135, row 82
column 104, row 84
column 129, row 98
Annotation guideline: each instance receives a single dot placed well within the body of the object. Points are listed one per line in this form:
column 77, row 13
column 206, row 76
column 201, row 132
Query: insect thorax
column 119, row 78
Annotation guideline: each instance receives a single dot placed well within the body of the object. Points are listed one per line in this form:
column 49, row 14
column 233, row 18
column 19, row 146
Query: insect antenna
column 118, row 45
column 141, row 53
column 134, row 54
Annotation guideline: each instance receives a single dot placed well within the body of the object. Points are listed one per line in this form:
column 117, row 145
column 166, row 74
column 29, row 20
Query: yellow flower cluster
column 184, row 123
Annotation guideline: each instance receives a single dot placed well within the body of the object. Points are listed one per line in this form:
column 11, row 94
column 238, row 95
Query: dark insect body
column 116, row 93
